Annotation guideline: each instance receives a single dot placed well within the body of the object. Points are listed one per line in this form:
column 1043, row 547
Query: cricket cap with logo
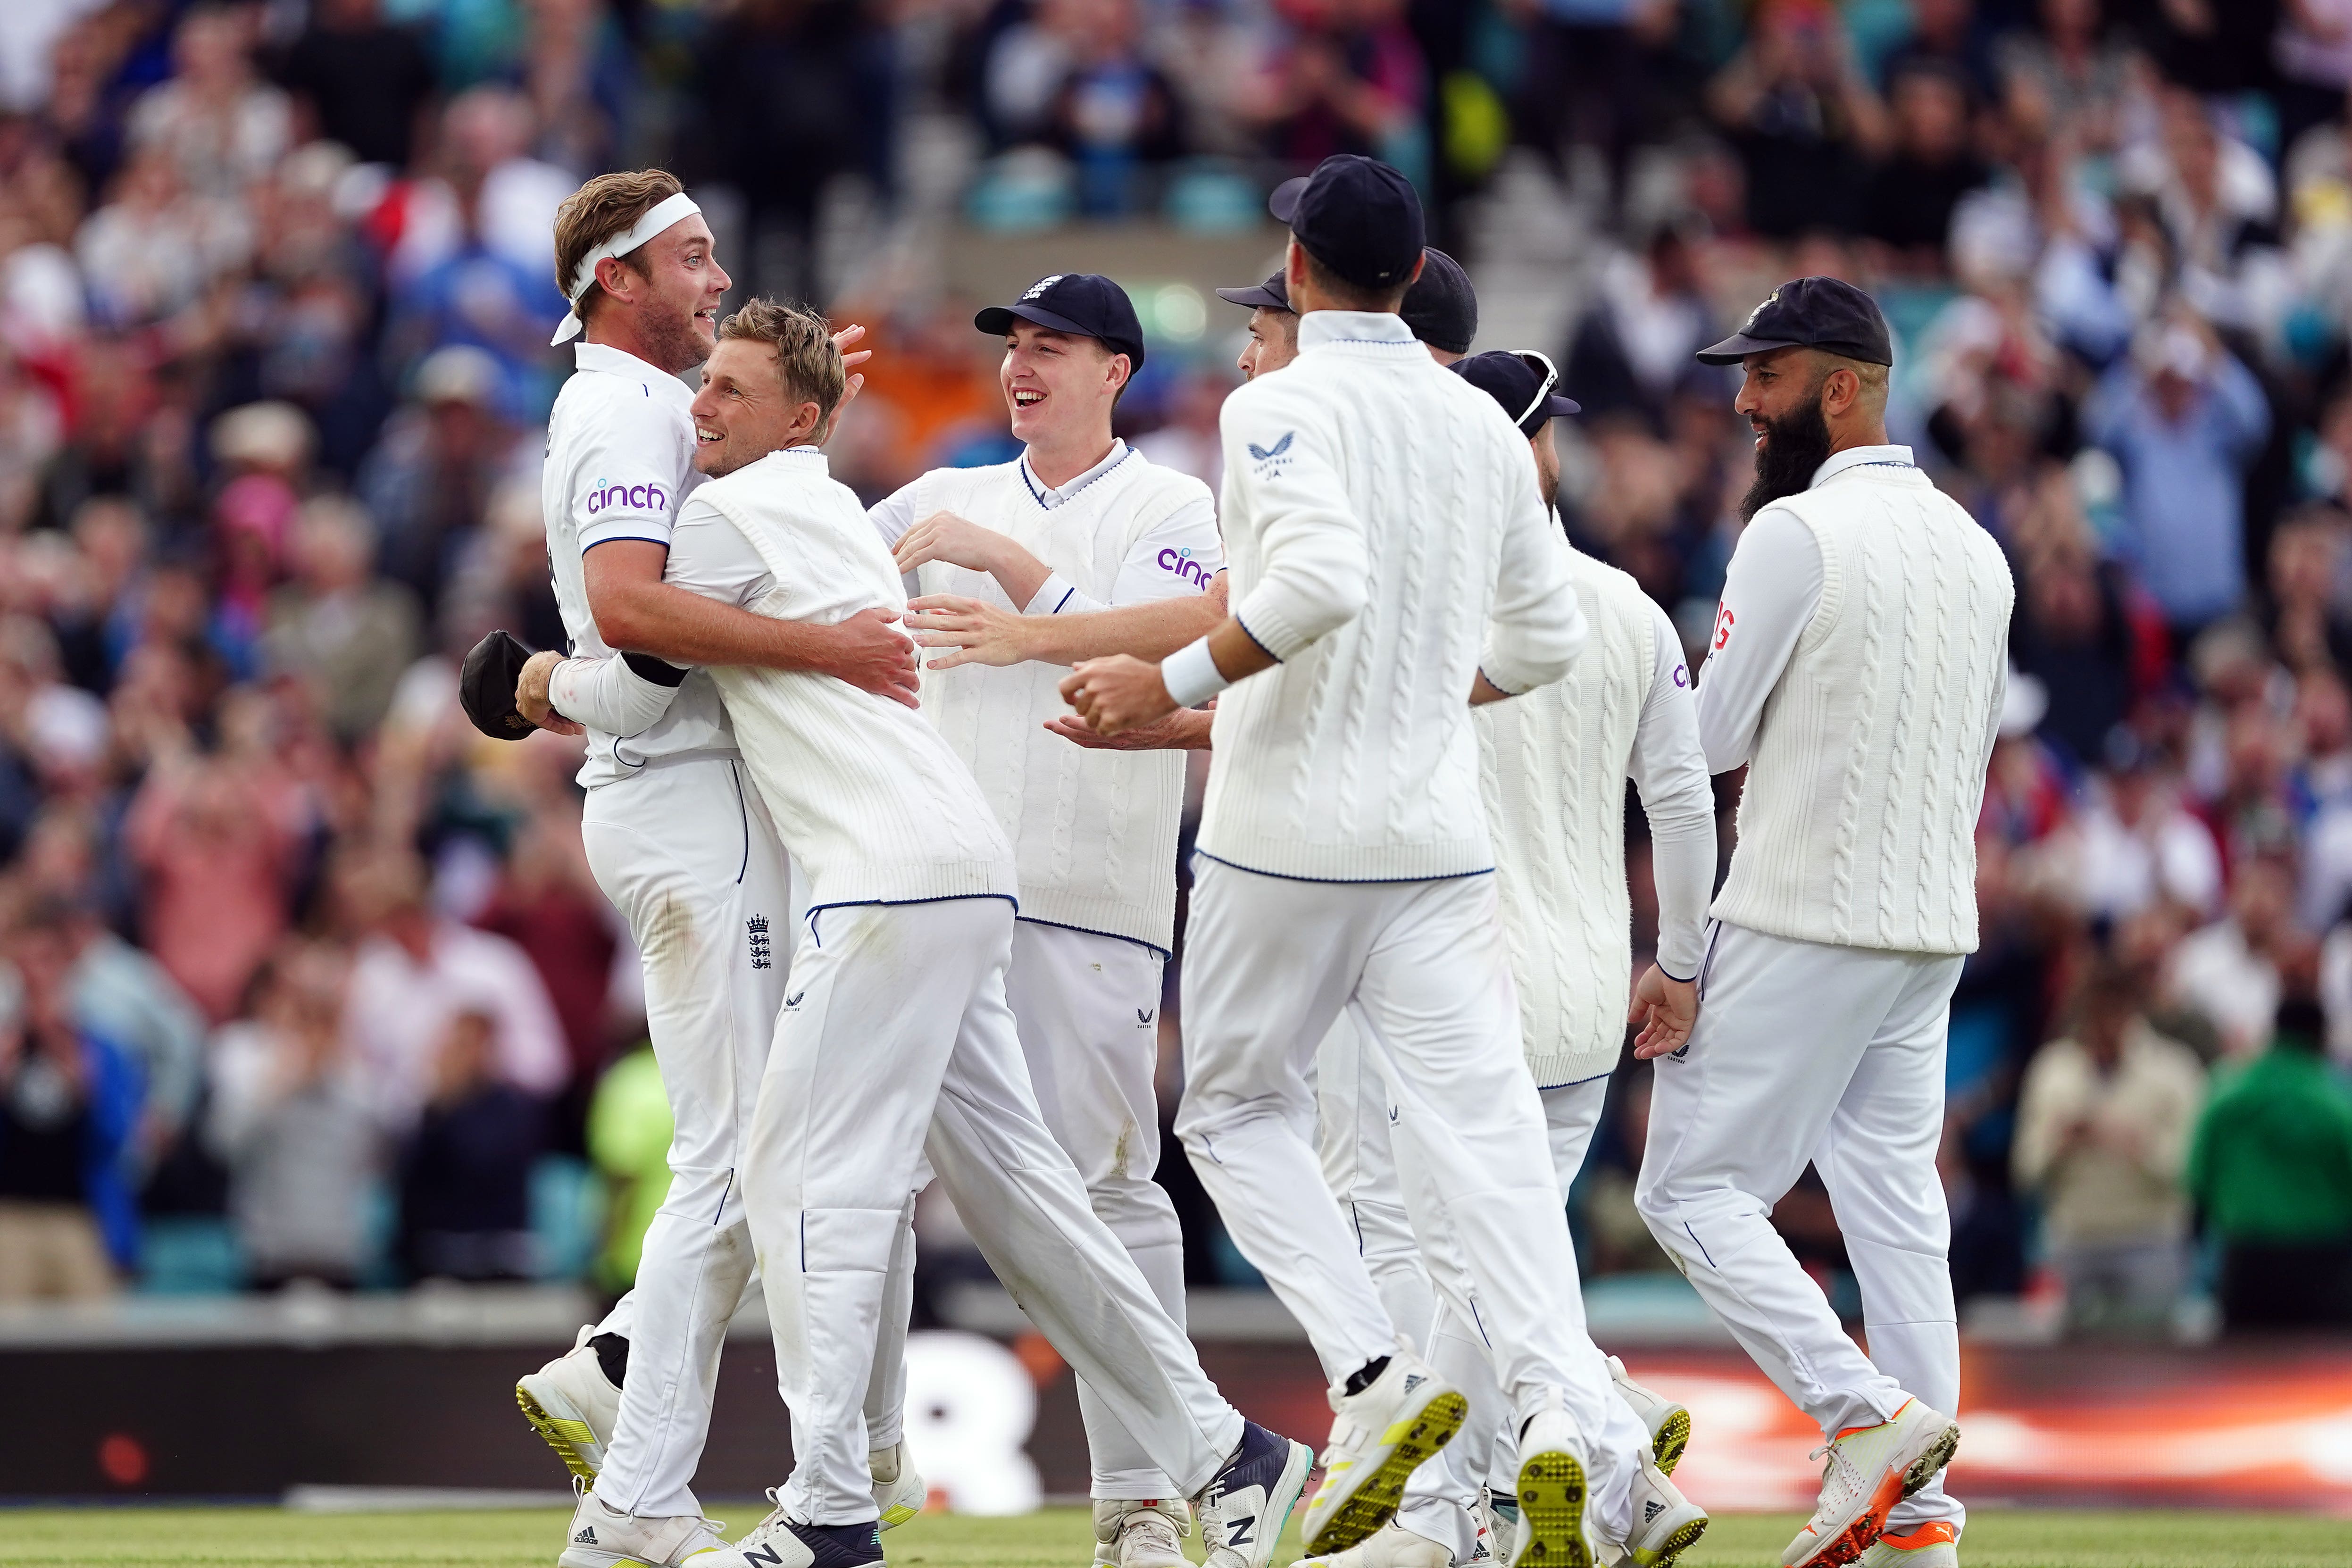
column 1357, row 216
column 1826, row 313
column 1084, row 303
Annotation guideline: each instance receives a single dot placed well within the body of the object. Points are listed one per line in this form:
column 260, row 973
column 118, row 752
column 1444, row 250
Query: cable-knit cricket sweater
column 1857, row 826
column 1387, row 542
column 1553, row 766
column 874, row 804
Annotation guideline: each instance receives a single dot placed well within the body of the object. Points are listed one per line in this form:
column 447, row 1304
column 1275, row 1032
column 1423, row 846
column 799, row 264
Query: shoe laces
column 1837, row 1468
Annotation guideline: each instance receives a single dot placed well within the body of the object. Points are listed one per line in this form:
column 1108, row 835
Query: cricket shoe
column 780, row 1541
column 574, row 1405
column 1870, row 1469
column 1245, row 1506
column 900, row 1492
column 1934, row 1544
column 1131, row 1532
column 1552, row 1493
column 1499, row 1523
column 1379, row 1436
column 603, row 1537
column 1666, row 1522
column 1668, row 1422
column 1389, row 1546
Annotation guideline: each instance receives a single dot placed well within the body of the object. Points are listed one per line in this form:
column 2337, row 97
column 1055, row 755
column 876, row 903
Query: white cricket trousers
column 1358, row 1147
column 896, row 1046
column 1803, row 1052
column 1088, row 1006
column 1269, row 963
column 688, row 854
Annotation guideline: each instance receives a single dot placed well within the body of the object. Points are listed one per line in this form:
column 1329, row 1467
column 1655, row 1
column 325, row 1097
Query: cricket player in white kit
column 1552, row 770
column 677, row 840
column 896, row 1044
column 1856, row 671
column 1389, row 553
column 1081, row 521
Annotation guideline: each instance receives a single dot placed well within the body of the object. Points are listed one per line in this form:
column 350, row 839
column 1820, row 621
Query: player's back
column 874, row 804
column 1394, row 487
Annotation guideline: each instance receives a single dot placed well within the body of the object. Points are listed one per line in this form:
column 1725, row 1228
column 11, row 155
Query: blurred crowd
column 307, row 980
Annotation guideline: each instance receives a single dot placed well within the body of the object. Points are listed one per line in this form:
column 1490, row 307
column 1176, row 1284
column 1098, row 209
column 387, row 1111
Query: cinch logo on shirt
column 1181, row 563
column 636, row 498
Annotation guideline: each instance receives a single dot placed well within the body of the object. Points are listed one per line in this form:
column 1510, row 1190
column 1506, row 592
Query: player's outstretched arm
column 1121, row 693
column 1186, row 730
column 635, row 609
column 970, row 632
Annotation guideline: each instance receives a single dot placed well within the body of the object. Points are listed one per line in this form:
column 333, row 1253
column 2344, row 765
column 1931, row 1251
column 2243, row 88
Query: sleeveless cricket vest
column 1857, row 826
column 1094, row 833
column 1551, row 769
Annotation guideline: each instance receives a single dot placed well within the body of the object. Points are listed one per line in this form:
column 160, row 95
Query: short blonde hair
column 604, row 206
column 806, row 360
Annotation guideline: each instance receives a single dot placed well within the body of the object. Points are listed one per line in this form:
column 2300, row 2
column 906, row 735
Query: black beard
column 1793, row 447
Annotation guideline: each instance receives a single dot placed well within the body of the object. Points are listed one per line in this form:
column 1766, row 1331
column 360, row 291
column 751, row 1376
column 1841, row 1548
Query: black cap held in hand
column 1086, row 303
column 1826, row 313
column 486, row 687
column 1357, row 216
column 1522, row 383
column 1441, row 307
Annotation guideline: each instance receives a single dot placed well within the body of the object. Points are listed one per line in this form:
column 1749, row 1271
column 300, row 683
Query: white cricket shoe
column 1131, row 1532
column 603, row 1537
column 1552, row 1493
column 1934, row 1544
column 1389, row 1546
column 900, row 1492
column 1870, row 1469
column 1668, row 1422
column 780, row 1541
column 1666, row 1522
column 1378, row 1437
column 1245, row 1506
column 1498, row 1520
column 574, row 1405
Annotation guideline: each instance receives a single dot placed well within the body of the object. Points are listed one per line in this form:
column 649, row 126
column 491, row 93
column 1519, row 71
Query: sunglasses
column 1547, row 376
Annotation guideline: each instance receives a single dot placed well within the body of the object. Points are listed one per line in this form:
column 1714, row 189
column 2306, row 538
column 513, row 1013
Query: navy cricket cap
column 1521, row 382
column 1086, row 303
column 1357, row 216
column 1826, row 313
column 1273, row 294
column 1441, row 307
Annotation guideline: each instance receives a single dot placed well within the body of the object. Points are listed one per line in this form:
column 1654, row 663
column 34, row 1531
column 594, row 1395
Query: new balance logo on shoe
column 1238, row 1532
column 587, row 1536
column 764, row 1554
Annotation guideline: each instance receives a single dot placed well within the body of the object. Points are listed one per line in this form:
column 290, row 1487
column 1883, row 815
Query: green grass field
column 1060, row 1538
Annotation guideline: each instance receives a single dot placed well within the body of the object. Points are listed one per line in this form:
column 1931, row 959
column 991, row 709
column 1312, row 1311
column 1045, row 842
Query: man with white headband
column 679, row 841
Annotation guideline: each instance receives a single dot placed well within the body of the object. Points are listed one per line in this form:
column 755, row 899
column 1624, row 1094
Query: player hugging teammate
column 1411, row 861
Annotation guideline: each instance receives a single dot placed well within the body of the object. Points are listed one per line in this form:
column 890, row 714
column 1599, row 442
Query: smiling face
column 1058, row 383
column 676, row 298
column 744, row 411
column 1781, row 399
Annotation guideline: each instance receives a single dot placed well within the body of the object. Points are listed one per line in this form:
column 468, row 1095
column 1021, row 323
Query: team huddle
column 904, row 913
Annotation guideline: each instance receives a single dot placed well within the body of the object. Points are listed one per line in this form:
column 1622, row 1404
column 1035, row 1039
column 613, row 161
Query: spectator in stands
column 547, row 904
column 224, row 128
column 1805, row 121
column 2185, row 419
column 1631, row 347
column 2066, row 75
column 465, row 1174
column 1945, row 38
column 214, row 864
column 2103, row 1120
column 2271, row 1169
column 1345, row 76
column 2232, row 970
column 345, row 635
column 361, row 82
column 415, row 972
column 290, row 1118
column 2218, row 200
column 1588, row 79
column 155, row 249
column 1908, row 206
column 1115, row 111
column 429, row 479
column 69, row 1103
column 2133, row 846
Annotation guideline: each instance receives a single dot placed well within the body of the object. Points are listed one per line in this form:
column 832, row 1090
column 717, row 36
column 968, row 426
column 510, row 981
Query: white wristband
column 1191, row 675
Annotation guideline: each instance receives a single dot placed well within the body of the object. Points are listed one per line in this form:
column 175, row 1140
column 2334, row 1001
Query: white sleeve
column 1178, row 557
column 1314, row 569
column 1670, row 770
column 1770, row 591
column 1536, row 628
column 628, row 489
column 619, row 694
column 709, row 556
column 894, row 515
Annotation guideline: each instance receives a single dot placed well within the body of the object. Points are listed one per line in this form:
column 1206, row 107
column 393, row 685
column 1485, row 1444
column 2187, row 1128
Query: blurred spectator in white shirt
column 2230, row 970
column 225, row 128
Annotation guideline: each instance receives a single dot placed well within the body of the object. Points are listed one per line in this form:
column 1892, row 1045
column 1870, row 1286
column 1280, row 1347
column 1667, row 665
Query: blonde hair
column 806, row 360
column 604, row 206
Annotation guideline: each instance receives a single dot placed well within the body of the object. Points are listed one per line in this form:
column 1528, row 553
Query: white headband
column 583, row 277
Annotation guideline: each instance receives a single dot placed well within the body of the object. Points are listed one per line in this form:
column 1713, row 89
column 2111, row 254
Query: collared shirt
column 1770, row 591
column 1319, row 327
